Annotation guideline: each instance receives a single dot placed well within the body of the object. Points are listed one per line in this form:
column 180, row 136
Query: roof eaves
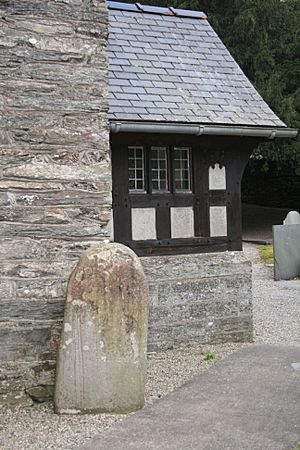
column 269, row 132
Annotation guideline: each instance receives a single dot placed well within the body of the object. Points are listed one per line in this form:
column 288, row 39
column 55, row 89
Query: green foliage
column 208, row 356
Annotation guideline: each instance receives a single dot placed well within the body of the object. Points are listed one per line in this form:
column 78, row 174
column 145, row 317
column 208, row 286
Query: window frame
column 170, row 170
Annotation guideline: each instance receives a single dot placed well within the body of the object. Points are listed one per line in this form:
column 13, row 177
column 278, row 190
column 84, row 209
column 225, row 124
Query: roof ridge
column 165, row 11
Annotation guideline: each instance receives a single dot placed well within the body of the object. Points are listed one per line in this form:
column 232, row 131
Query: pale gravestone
column 102, row 355
column 286, row 243
column 292, row 218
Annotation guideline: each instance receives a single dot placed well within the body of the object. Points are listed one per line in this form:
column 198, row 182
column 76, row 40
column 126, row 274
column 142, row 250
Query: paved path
column 250, row 401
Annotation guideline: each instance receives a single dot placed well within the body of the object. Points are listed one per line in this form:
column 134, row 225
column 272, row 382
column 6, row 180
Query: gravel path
column 276, row 307
column 276, row 304
column 38, row 428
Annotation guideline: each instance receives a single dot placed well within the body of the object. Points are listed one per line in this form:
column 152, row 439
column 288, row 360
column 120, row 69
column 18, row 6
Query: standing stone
column 102, row 356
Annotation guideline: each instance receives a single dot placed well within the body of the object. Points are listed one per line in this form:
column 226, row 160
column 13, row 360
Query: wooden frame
column 206, row 151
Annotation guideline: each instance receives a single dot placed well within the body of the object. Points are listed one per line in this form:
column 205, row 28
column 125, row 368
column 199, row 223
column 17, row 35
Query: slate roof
column 173, row 68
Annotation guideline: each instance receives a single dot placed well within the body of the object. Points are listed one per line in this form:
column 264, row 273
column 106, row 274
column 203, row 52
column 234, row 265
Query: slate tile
column 149, row 57
column 125, row 96
column 149, row 76
column 122, row 62
column 115, row 68
column 115, row 109
column 162, row 64
column 118, row 103
column 152, row 98
column 142, row 63
column 155, row 51
column 156, row 91
column 135, row 110
column 140, row 44
column 157, row 71
column 115, row 89
column 163, row 84
column 154, row 117
column 131, row 31
column 142, row 83
column 134, row 90
column 143, row 104
column 173, row 118
column 119, row 82
column 171, row 98
column 171, row 78
column 161, row 111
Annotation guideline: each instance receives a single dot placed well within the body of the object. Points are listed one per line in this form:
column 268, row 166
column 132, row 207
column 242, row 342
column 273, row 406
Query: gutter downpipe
column 198, row 130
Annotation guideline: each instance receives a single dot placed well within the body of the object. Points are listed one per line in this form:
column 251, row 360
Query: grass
column 266, row 253
column 297, row 447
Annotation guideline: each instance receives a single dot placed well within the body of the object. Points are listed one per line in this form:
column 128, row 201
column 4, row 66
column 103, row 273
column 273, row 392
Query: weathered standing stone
column 102, row 355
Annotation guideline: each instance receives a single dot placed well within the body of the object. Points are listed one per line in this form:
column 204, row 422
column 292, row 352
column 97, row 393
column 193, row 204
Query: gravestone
column 102, row 355
column 292, row 218
column 286, row 243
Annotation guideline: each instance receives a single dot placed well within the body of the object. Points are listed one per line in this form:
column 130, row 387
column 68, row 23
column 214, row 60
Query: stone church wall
column 55, row 175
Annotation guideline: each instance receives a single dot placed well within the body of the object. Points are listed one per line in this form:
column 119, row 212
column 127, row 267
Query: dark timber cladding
column 170, row 76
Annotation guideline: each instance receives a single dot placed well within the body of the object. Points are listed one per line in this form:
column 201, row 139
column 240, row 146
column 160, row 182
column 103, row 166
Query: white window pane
column 181, row 159
column 136, row 168
column 159, row 169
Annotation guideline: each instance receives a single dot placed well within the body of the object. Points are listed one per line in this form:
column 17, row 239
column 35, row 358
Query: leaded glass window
column 159, row 169
column 181, row 162
column 136, row 168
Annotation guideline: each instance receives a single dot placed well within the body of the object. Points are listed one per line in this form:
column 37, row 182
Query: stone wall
column 203, row 298
column 55, row 175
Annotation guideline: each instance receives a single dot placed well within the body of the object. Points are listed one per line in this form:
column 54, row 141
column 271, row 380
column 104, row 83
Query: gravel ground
column 276, row 304
column 38, row 428
column 276, row 307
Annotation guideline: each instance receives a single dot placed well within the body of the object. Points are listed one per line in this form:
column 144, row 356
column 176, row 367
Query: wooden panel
column 163, row 223
column 161, row 200
column 217, row 198
column 121, row 202
column 200, row 182
column 179, row 246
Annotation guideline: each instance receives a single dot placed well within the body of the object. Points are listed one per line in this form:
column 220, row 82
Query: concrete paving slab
column 250, row 401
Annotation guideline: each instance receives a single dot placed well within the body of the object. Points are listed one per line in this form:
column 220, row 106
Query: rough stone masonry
column 55, row 175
